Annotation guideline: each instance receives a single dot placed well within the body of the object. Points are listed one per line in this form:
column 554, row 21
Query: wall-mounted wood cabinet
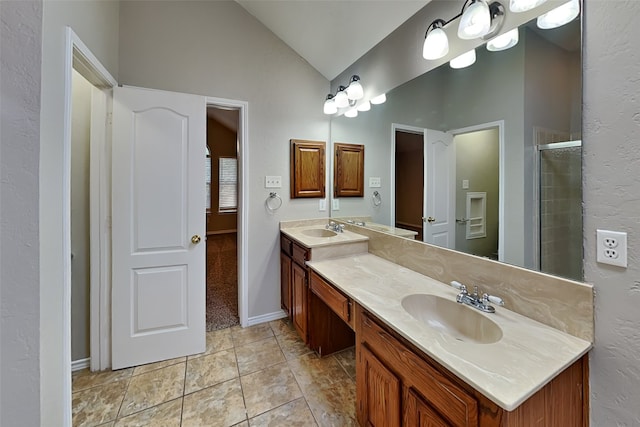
column 307, row 169
column 348, row 171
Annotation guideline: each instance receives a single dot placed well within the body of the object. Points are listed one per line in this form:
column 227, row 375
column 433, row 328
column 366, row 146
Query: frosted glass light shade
column 330, row 106
column 351, row 113
column 475, row 21
column 560, row 15
column 380, row 99
column 464, row 60
column 365, row 106
column 524, row 5
column 504, row 41
column 354, row 90
column 341, row 99
column 436, row 44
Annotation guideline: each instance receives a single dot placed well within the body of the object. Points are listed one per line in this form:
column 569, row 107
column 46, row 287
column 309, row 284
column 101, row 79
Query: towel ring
column 377, row 199
column 273, row 206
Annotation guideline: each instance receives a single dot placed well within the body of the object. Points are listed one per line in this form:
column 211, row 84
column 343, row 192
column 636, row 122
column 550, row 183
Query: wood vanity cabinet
column 307, row 168
column 294, row 283
column 398, row 385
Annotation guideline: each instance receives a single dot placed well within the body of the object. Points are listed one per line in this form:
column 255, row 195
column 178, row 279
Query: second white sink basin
column 458, row 320
column 319, row 232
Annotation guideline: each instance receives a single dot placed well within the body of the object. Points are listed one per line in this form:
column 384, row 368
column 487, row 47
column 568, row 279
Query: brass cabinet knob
column 195, row 239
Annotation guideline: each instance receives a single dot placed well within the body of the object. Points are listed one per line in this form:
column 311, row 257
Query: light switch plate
column 322, row 205
column 335, row 204
column 374, row 182
column 272, row 181
column 465, row 184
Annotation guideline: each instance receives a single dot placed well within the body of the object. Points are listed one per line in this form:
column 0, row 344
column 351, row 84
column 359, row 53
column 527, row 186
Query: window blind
column 228, row 184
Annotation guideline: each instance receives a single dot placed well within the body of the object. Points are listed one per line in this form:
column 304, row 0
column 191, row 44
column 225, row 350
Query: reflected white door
column 158, row 206
column 439, row 185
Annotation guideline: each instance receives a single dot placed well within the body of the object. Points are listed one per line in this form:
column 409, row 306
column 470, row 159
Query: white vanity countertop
column 507, row 372
column 298, row 233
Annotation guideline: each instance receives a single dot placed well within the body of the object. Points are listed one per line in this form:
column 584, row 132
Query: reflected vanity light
column 380, row 99
column 524, row 5
column 475, row 21
column 351, row 113
column 436, row 42
column 504, row 41
column 365, row 106
column 559, row 16
column 464, row 60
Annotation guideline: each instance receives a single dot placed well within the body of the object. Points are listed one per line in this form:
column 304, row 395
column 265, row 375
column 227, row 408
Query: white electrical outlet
column 322, row 205
column 611, row 247
column 374, row 182
column 335, row 204
column 465, row 184
column 272, row 181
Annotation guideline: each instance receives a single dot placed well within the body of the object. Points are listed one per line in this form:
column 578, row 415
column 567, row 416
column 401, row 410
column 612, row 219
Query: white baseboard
column 76, row 365
column 266, row 317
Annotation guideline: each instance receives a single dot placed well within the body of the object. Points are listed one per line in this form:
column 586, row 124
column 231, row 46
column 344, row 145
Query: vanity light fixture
column 524, row 5
column 464, row 60
column 560, row 15
column 365, row 106
column 504, row 41
column 436, row 42
column 345, row 97
column 475, row 20
column 380, row 99
column 351, row 113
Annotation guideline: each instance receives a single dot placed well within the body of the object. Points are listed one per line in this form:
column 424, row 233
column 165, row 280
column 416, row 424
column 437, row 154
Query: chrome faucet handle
column 459, row 286
column 341, row 228
column 486, row 299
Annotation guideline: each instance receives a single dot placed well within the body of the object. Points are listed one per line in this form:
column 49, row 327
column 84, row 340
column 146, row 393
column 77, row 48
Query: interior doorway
column 222, row 217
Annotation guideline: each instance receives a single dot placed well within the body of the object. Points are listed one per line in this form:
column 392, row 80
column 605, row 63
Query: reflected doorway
column 409, row 177
column 222, row 217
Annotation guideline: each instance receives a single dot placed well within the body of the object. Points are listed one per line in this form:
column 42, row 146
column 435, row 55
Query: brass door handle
column 429, row 220
column 195, row 239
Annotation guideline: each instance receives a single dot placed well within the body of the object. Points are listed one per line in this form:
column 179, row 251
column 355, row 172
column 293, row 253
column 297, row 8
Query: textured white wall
column 80, row 263
column 218, row 49
column 96, row 23
column 20, row 44
column 611, row 164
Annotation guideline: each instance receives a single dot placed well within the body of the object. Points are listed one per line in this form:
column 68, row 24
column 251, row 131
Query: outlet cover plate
column 611, row 247
column 335, row 204
column 374, row 182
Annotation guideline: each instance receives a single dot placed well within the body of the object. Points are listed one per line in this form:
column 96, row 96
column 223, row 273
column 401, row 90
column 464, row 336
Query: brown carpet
column 222, row 281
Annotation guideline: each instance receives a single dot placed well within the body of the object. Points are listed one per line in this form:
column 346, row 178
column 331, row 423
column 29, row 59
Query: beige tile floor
column 258, row 376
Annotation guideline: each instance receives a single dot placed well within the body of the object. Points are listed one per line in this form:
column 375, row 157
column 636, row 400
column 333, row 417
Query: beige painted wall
column 80, row 261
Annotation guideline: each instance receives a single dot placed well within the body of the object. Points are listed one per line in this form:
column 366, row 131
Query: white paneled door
column 158, row 208
column 440, row 191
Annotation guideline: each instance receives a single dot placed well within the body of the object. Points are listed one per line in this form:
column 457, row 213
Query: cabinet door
column 417, row 413
column 378, row 393
column 307, row 168
column 348, row 172
column 285, row 283
column 299, row 300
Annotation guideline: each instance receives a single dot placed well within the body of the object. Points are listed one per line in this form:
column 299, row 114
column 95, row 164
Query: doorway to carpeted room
column 222, row 281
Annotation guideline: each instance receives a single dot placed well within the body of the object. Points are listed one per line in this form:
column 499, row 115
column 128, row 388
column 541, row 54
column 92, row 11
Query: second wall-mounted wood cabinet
column 348, row 170
column 307, row 169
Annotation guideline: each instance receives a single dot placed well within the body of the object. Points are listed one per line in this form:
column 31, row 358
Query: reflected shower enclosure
column 561, row 209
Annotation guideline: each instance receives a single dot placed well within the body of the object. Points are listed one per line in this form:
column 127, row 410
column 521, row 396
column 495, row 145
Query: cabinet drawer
column 447, row 398
column 336, row 301
column 285, row 245
column 300, row 254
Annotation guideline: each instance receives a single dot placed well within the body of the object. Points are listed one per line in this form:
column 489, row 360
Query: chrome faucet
column 338, row 228
column 475, row 300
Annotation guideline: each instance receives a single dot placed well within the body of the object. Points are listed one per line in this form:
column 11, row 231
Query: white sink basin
column 458, row 320
column 319, row 232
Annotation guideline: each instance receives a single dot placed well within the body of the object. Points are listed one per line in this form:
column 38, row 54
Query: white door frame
column 91, row 68
column 243, row 200
column 500, row 125
column 392, row 181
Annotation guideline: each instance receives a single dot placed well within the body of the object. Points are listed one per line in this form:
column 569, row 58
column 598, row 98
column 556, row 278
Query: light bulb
column 330, row 105
column 504, row 41
column 436, row 44
column 475, row 21
column 524, row 5
column 560, row 15
column 380, row 99
column 464, row 60
column 351, row 113
column 365, row 106
column 341, row 98
column 354, row 90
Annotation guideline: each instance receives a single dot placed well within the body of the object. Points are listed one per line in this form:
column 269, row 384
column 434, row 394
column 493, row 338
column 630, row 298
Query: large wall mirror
column 486, row 159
